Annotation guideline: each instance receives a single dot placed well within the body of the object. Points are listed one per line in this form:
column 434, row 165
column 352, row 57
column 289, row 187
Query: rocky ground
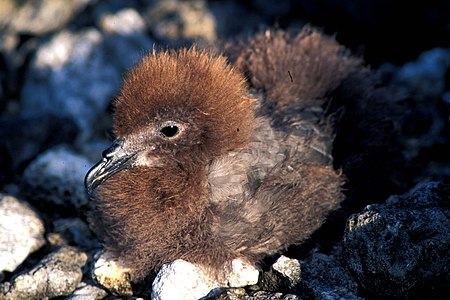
column 61, row 64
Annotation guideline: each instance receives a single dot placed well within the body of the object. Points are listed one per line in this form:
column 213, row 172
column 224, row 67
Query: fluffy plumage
column 209, row 171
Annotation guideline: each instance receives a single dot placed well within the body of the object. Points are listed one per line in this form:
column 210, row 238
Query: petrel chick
column 207, row 170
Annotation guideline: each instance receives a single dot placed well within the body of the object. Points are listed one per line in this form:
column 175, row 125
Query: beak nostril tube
column 115, row 147
column 115, row 158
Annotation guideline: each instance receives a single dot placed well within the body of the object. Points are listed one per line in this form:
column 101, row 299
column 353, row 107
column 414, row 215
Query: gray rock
column 58, row 274
column 87, row 291
column 401, row 247
column 38, row 16
column 21, row 232
column 76, row 75
column 57, row 177
column 424, row 78
column 181, row 20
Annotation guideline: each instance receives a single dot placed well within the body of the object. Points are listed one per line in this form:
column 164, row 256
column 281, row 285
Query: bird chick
column 205, row 171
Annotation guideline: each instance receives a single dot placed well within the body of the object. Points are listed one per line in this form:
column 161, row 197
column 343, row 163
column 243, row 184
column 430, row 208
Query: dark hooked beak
column 115, row 158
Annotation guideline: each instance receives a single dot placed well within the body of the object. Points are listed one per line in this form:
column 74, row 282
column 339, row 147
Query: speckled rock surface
column 402, row 246
column 109, row 273
column 58, row 274
column 21, row 232
column 57, row 177
column 289, row 270
column 323, row 278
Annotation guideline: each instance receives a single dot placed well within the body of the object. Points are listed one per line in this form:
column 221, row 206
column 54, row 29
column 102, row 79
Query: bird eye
column 169, row 131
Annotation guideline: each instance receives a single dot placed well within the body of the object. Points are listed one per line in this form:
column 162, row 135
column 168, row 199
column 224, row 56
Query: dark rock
column 22, row 139
column 93, row 150
column 273, row 8
column 324, row 278
column 400, row 249
column 58, row 274
column 426, row 127
column 245, row 20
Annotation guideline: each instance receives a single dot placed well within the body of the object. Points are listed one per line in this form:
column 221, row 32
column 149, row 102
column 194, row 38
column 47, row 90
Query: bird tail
column 301, row 69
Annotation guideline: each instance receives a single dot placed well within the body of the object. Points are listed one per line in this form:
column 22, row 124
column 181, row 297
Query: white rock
column 126, row 21
column 242, row 274
column 21, row 232
column 183, row 280
column 290, row 268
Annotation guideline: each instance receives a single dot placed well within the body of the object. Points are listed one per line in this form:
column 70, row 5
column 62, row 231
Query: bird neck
column 181, row 186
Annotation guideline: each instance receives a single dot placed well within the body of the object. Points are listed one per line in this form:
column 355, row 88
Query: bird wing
column 276, row 192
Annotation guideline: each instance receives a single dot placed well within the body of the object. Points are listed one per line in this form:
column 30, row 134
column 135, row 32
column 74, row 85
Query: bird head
column 176, row 107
